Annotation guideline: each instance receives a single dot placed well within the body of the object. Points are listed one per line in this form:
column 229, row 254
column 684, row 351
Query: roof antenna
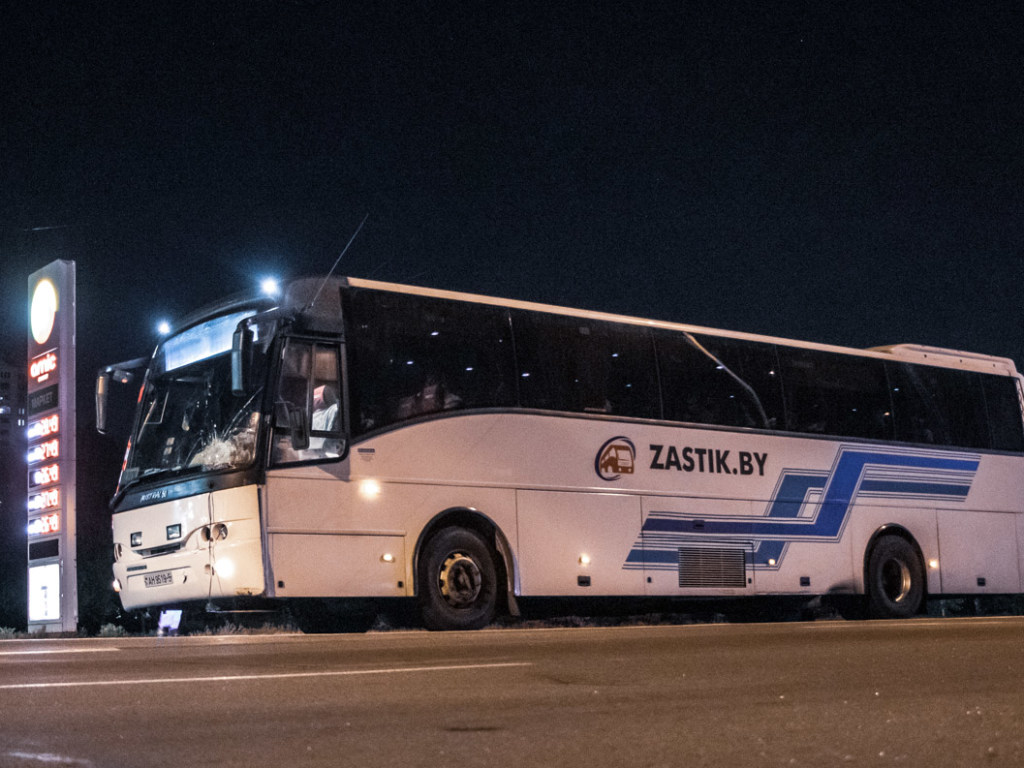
column 336, row 263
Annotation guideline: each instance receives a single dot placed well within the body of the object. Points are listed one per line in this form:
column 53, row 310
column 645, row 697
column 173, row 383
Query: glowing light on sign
column 45, row 427
column 48, row 450
column 50, row 499
column 43, row 311
column 47, row 475
column 41, row 367
column 44, row 592
column 41, row 526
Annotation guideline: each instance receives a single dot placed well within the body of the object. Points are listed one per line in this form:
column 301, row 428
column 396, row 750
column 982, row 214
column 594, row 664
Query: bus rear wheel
column 458, row 581
column 895, row 579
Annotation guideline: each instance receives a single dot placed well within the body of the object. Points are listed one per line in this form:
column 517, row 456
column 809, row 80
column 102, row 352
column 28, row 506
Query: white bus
column 358, row 439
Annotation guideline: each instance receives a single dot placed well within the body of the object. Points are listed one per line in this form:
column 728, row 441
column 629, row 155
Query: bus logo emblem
column 616, row 458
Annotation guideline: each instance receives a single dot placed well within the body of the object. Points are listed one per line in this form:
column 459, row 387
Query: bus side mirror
column 241, row 355
column 102, row 384
column 119, row 373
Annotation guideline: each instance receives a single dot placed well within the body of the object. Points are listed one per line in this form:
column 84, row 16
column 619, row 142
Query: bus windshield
column 189, row 418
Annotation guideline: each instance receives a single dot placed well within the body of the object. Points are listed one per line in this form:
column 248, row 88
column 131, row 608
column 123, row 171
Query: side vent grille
column 712, row 567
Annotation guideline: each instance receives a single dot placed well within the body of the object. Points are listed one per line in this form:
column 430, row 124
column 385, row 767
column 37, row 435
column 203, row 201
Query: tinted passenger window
column 753, row 367
column 940, row 406
column 1002, row 403
column 574, row 364
column 697, row 387
column 833, row 394
column 413, row 355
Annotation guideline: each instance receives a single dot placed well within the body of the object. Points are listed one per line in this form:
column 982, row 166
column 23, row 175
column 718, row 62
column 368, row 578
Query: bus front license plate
column 159, row 579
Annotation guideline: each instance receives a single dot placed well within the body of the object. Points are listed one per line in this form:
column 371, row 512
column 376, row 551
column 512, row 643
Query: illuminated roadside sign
column 44, row 451
column 44, row 593
column 47, row 475
column 44, row 526
column 40, row 369
column 50, row 459
column 49, row 499
column 43, row 399
column 43, row 310
column 44, row 427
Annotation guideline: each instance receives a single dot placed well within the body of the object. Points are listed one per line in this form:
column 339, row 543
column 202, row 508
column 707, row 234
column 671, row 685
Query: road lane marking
column 58, row 650
column 48, row 758
column 279, row 676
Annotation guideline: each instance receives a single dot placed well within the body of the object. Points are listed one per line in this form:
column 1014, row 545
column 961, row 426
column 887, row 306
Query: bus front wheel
column 458, row 581
column 895, row 579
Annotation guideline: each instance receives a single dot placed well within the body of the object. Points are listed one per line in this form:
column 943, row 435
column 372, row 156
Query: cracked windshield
column 189, row 417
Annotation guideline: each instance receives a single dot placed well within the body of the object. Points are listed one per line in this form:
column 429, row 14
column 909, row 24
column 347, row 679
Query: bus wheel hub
column 896, row 580
column 460, row 580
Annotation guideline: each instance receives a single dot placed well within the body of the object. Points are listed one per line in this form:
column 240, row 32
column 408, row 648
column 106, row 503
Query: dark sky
column 849, row 173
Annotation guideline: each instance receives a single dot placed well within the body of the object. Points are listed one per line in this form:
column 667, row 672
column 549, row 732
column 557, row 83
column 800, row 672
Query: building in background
column 12, row 492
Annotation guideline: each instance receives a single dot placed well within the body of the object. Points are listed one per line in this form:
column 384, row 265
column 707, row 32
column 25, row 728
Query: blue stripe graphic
column 874, row 474
column 792, row 494
column 895, row 487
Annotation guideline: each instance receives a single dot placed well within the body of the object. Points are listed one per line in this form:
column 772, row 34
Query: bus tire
column 895, row 579
column 458, row 581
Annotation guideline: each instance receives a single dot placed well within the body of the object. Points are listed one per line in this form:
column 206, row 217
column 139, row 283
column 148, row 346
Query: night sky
column 848, row 173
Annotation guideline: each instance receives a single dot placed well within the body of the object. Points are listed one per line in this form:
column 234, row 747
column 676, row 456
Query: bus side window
column 834, row 394
column 696, row 388
column 1002, row 404
column 415, row 356
column 753, row 369
column 582, row 365
column 324, row 418
column 309, row 381
column 940, row 406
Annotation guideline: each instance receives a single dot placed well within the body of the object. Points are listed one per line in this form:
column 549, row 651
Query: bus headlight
column 116, row 585
column 217, row 532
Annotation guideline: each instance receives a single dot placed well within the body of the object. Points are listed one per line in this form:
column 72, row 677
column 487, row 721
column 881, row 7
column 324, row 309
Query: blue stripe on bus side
column 946, row 477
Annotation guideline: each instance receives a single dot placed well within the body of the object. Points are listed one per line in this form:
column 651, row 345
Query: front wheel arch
column 458, row 579
column 473, row 519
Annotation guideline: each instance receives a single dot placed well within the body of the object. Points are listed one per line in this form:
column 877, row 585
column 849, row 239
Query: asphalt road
column 925, row 692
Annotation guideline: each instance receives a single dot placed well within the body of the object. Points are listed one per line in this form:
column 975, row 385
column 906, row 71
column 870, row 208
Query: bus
column 355, row 439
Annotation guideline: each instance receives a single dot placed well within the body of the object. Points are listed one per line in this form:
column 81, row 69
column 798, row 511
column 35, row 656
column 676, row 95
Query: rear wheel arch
column 890, row 529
